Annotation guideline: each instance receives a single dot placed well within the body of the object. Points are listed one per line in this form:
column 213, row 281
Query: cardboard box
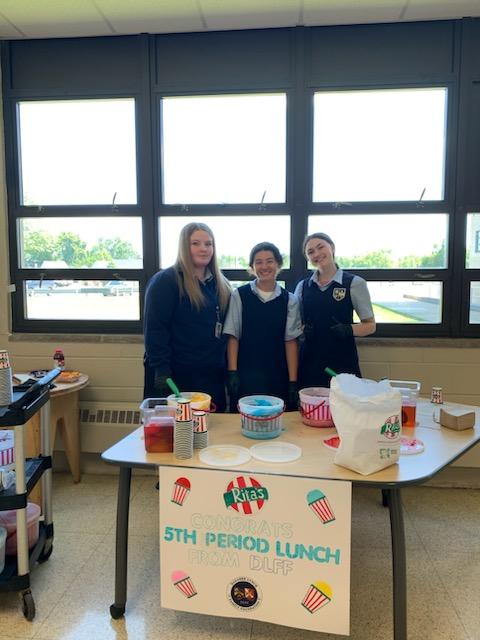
column 458, row 419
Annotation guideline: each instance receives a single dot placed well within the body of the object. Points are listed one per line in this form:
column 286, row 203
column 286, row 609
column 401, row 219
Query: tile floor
column 74, row 589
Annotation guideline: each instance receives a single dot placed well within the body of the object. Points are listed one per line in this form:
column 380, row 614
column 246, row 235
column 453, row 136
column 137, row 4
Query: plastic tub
column 8, row 519
column 409, row 390
column 199, row 400
column 3, row 539
column 158, row 434
column 155, row 407
column 315, row 407
column 261, row 416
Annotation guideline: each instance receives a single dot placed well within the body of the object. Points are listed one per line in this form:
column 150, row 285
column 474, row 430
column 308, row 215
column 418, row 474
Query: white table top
column 442, row 447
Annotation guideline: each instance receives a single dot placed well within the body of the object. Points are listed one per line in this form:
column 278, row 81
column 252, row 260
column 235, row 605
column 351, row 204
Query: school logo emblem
column 245, row 495
column 339, row 293
column 244, row 593
column 391, row 428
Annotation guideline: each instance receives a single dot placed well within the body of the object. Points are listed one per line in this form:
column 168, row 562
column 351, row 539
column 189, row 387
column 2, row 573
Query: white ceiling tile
column 46, row 18
column 151, row 16
column 250, row 14
column 64, row 18
column 7, row 30
column 318, row 12
column 441, row 9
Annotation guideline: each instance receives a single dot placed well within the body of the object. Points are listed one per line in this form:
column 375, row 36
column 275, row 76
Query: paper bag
column 367, row 417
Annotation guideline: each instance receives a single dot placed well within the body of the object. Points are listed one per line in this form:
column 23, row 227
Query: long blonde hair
column 188, row 283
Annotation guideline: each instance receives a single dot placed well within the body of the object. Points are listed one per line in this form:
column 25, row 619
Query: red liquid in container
column 158, row 434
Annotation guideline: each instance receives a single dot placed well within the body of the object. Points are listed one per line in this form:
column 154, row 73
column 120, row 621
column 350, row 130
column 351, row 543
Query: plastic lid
column 276, row 452
column 224, row 455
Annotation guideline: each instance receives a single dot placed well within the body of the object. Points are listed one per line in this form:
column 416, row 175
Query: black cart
column 27, row 401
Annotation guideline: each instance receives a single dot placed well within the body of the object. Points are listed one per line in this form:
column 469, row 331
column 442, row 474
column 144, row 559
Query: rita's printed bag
column 367, row 417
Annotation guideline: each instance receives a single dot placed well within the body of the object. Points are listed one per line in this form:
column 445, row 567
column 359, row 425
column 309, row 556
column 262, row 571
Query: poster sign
column 256, row 546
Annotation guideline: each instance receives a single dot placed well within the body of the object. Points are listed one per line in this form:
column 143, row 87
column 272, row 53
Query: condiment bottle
column 59, row 359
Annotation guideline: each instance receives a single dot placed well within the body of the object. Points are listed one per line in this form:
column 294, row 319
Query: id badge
column 218, row 329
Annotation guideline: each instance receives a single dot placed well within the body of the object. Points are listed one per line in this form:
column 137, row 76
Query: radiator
column 104, row 423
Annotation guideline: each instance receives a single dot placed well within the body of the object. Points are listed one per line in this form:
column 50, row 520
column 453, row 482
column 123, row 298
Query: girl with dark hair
column 185, row 306
column 327, row 301
column 263, row 324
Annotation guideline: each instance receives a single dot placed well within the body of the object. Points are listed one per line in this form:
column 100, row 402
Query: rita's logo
column 339, row 294
column 245, row 492
column 391, row 428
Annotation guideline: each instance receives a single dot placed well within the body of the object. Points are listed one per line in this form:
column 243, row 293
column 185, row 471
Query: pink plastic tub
column 8, row 519
column 315, row 407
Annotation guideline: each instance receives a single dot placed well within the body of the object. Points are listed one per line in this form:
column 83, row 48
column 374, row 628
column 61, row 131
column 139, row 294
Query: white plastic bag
column 367, row 417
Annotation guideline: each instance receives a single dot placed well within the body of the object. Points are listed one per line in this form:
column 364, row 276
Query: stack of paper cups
column 6, row 392
column 183, row 433
column 200, row 430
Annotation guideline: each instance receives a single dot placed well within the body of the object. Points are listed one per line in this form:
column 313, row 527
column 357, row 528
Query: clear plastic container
column 155, row 407
column 8, row 519
column 158, row 434
column 409, row 390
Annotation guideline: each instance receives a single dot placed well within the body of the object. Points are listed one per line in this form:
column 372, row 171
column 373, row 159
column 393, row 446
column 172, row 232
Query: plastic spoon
column 173, row 387
column 330, row 372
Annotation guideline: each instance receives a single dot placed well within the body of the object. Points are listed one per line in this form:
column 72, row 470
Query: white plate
column 224, row 455
column 276, row 452
column 410, row 446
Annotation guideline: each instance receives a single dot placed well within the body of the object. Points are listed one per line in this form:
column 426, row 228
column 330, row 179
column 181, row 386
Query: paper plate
column 410, row 446
column 224, row 455
column 276, row 452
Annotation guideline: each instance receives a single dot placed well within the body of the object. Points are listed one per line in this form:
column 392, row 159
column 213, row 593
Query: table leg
column 398, row 564
column 117, row 609
column 64, row 411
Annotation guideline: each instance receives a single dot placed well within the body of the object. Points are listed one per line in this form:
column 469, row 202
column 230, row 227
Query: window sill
column 86, row 338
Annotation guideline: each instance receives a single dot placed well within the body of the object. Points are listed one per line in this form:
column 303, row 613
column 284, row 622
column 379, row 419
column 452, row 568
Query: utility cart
column 27, row 401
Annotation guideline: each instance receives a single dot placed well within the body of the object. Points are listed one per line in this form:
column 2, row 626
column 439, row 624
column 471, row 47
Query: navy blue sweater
column 178, row 336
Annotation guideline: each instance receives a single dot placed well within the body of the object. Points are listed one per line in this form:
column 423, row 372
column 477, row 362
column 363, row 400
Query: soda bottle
column 59, row 359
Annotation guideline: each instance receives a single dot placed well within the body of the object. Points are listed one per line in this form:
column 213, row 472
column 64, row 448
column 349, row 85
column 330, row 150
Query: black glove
column 233, row 388
column 160, row 386
column 233, row 383
column 292, row 396
column 341, row 331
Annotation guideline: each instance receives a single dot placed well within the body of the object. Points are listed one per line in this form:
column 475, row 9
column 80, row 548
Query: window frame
column 298, row 78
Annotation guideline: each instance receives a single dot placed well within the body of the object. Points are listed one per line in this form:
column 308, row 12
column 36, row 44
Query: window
column 235, row 237
column 383, row 145
column 80, row 243
column 82, row 300
column 264, row 136
column 386, row 241
column 472, row 241
column 76, row 152
column 474, row 316
column 407, row 302
column 224, row 149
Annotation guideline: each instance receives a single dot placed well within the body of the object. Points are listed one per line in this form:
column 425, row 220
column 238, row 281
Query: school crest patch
column 339, row 293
